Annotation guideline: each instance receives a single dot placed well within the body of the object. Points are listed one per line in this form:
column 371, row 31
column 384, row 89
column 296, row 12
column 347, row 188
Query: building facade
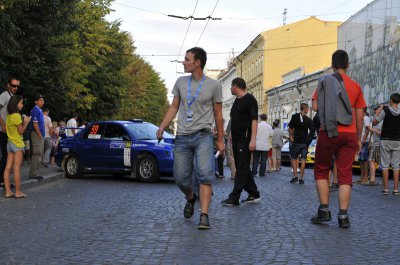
column 304, row 46
column 285, row 100
column 225, row 78
column 249, row 66
column 372, row 39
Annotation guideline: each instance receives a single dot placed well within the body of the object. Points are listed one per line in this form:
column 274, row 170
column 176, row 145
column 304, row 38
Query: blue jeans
column 256, row 159
column 193, row 153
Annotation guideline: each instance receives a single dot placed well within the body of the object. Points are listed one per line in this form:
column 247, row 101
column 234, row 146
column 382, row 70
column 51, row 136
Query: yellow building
column 307, row 45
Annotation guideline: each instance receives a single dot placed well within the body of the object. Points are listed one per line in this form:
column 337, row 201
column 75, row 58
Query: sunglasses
column 14, row 86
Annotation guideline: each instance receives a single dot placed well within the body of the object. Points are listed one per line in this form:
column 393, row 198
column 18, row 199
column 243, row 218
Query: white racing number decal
column 127, row 154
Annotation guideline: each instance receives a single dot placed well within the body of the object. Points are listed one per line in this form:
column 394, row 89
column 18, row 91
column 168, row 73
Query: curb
column 30, row 183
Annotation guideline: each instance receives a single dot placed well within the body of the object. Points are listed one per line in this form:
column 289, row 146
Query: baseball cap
column 38, row 97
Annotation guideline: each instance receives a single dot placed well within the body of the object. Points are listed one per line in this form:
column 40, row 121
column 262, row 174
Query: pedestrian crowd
column 252, row 147
column 34, row 138
column 341, row 126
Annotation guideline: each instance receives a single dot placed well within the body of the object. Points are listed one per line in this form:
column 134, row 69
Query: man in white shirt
column 48, row 127
column 71, row 123
column 264, row 133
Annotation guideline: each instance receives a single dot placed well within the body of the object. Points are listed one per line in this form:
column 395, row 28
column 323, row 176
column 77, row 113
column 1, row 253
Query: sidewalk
column 50, row 174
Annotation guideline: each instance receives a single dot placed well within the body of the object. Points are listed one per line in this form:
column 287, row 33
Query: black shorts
column 298, row 149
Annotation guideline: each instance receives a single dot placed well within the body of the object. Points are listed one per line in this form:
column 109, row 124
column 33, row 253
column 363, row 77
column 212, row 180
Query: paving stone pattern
column 103, row 220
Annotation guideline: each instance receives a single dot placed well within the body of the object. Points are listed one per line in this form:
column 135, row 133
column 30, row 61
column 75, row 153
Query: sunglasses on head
column 14, row 86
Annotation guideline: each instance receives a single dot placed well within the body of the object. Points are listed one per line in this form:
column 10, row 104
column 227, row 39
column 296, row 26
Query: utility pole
column 284, row 16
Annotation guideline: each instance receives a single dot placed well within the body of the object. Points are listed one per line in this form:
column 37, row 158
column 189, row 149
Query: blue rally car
column 117, row 147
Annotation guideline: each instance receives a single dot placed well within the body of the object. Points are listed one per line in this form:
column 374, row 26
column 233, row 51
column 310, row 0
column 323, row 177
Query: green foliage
column 146, row 97
column 67, row 51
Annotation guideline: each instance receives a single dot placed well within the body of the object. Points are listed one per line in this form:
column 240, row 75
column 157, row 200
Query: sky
column 162, row 40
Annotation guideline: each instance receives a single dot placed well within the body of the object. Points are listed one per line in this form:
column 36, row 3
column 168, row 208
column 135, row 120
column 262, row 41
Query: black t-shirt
column 243, row 112
column 300, row 128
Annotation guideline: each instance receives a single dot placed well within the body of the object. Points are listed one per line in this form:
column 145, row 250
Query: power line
column 195, row 18
column 187, row 30
column 142, row 9
column 201, row 35
column 346, row 1
column 234, row 18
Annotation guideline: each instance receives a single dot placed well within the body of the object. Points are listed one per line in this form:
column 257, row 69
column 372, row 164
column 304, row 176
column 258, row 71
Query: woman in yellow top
column 15, row 145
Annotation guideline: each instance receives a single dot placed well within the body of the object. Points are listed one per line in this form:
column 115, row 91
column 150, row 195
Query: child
column 15, row 145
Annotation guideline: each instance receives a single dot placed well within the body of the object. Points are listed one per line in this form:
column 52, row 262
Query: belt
column 205, row 130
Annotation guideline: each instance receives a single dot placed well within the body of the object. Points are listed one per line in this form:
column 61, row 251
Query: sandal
column 372, row 183
column 22, row 196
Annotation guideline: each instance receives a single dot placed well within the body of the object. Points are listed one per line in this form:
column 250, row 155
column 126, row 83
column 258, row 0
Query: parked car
column 311, row 156
column 117, row 147
column 285, row 155
column 311, row 152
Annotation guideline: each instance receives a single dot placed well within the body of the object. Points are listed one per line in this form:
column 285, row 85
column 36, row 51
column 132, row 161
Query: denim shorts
column 298, row 149
column 363, row 155
column 194, row 153
column 11, row 148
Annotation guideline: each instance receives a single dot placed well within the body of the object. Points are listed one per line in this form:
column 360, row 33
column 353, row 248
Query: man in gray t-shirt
column 277, row 143
column 199, row 100
column 11, row 88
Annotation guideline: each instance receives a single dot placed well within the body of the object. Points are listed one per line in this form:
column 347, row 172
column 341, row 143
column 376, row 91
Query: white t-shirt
column 264, row 133
column 367, row 123
column 70, row 123
column 47, row 125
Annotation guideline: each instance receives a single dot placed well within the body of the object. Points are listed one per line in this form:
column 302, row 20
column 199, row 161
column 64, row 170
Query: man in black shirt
column 244, row 122
column 299, row 127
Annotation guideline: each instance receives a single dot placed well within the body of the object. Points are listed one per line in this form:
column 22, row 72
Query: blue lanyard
column 191, row 100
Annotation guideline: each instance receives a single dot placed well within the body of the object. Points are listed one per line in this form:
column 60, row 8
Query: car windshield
column 145, row 131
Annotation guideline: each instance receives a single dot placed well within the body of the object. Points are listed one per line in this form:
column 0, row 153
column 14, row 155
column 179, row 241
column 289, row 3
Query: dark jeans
column 256, row 160
column 243, row 179
column 219, row 165
column 3, row 161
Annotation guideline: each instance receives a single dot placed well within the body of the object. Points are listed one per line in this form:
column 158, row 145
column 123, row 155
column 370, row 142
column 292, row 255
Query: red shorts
column 344, row 148
column 270, row 152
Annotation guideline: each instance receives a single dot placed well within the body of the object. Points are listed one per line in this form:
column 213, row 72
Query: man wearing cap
column 11, row 88
column 37, row 129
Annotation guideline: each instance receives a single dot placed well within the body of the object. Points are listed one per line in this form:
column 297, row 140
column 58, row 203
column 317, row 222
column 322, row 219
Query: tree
column 67, row 51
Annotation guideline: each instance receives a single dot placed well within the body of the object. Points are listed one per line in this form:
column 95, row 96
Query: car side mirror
column 126, row 138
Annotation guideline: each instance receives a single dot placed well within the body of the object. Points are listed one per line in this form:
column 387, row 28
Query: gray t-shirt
column 202, row 107
column 4, row 99
column 277, row 138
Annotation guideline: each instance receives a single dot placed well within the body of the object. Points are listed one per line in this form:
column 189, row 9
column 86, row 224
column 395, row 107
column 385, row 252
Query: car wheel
column 73, row 167
column 147, row 168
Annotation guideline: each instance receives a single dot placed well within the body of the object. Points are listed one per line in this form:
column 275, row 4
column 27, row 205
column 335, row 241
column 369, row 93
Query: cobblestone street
column 103, row 220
